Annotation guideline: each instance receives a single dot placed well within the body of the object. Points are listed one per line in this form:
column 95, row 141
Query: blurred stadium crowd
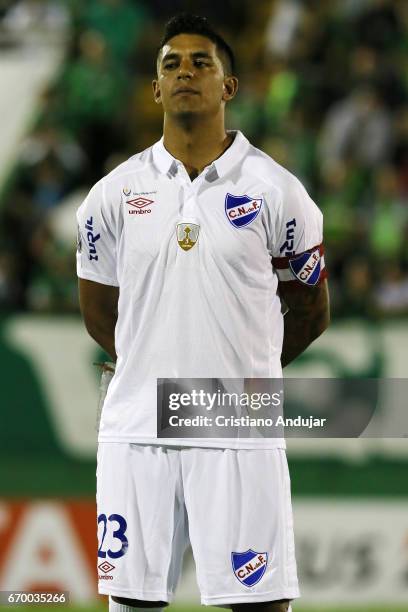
column 323, row 90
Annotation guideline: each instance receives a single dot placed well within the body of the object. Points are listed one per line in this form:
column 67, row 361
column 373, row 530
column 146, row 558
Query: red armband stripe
column 279, row 263
column 300, row 269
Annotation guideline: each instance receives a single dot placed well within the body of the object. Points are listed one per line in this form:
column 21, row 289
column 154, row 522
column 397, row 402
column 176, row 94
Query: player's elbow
column 91, row 326
column 320, row 324
column 321, row 312
column 98, row 326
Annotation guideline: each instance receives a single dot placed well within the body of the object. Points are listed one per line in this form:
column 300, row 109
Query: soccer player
column 185, row 254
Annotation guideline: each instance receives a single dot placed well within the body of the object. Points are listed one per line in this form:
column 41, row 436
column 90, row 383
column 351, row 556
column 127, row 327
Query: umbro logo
column 140, row 204
column 106, row 567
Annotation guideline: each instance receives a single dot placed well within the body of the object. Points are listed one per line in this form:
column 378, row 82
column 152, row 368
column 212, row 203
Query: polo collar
column 167, row 164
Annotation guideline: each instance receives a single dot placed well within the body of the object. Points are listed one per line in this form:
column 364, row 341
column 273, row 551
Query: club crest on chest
column 242, row 210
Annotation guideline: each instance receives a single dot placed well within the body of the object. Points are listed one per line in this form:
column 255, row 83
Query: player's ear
column 230, row 88
column 156, row 91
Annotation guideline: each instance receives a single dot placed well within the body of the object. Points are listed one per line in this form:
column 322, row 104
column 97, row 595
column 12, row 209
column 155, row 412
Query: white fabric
column 222, row 500
column 208, row 312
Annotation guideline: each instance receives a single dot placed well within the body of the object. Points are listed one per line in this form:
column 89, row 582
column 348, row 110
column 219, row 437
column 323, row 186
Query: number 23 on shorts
column 118, row 525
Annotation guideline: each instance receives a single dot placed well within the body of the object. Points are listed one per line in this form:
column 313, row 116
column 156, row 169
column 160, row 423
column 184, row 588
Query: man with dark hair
column 185, row 253
column 191, row 24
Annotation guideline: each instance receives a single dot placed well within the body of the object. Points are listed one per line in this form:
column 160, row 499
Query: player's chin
column 180, row 103
column 184, row 114
column 187, row 104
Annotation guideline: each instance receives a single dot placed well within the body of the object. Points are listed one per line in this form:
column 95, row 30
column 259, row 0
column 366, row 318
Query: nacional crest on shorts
column 249, row 566
column 187, row 235
column 242, row 210
column 307, row 267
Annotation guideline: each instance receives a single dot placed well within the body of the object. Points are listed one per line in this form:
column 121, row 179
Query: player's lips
column 185, row 90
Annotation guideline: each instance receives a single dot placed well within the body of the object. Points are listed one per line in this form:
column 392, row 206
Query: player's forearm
column 299, row 333
column 103, row 332
column 307, row 317
column 99, row 309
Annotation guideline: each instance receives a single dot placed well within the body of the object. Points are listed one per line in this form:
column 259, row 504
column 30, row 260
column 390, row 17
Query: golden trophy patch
column 187, row 235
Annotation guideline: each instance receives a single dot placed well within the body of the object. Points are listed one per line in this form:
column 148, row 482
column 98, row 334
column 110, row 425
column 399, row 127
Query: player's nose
column 186, row 70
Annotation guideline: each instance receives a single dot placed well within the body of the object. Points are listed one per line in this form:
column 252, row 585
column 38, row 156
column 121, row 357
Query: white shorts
column 232, row 505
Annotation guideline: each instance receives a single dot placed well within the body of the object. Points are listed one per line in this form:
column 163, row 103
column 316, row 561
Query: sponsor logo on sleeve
column 249, row 566
column 242, row 210
column 287, row 247
column 307, row 267
column 92, row 238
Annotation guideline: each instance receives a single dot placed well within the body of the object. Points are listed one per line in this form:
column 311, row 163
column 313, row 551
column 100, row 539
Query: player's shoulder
column 275, row 175
column 137, row 163
column 108, row 190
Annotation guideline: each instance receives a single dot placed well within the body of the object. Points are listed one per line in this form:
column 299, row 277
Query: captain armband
column 307, row 268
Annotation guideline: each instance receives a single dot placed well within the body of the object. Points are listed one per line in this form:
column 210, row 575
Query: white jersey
column 197, row 263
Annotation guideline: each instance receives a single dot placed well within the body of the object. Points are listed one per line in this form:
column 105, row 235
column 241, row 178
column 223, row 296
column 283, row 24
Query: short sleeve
column 96, row 243
column 298, row 253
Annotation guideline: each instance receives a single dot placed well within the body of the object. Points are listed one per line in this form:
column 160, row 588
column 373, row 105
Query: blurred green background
column 324, row 91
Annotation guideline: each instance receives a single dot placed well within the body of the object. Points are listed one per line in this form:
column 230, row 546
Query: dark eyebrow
column 198, row 54
column 170, row 56
column 195, row 55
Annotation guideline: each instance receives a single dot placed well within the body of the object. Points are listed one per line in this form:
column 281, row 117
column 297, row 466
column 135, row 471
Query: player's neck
column 195, row 144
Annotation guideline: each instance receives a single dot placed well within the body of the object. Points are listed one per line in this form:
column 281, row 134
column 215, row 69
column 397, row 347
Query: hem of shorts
column 232, row 443
column 134, row 594
column 213, row 600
